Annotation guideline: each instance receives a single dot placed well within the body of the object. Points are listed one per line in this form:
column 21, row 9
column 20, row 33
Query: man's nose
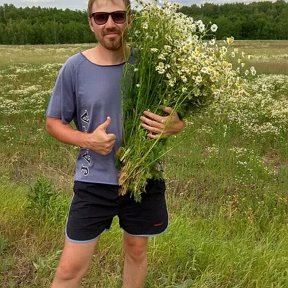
column 110, row 22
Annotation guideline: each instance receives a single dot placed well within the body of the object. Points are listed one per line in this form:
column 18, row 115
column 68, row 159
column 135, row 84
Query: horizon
column 82, row 4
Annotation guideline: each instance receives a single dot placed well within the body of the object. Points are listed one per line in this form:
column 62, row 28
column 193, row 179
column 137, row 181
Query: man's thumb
column 105, row 124
column 168, row 110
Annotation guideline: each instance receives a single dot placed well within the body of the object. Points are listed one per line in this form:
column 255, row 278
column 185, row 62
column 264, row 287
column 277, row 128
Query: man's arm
column 98, row 141
column 162, row 126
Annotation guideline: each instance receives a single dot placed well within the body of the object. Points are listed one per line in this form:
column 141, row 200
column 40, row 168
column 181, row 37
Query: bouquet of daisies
column 173, row 67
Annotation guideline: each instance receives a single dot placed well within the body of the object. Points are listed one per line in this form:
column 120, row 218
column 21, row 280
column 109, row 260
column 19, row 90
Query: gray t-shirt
column 87, row 93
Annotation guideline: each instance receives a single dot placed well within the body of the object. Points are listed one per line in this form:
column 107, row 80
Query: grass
column 269, row 57
column 227, row 193
column 38, row 54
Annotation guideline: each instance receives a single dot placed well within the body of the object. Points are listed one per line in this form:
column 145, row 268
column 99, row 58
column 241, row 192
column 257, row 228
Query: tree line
column 257, row 20
column 36, row 25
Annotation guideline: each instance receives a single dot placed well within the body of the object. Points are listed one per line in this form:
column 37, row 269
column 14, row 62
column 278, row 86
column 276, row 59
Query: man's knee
column 136, row 250
column 69, row 271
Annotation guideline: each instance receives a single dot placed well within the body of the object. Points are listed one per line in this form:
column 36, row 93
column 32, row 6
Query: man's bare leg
column 135, row 263
column 73, row 265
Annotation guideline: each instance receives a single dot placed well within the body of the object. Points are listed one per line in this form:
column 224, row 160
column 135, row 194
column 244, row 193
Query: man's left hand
column 162, row 126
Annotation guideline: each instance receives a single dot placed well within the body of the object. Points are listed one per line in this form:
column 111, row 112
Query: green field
column 227, row 180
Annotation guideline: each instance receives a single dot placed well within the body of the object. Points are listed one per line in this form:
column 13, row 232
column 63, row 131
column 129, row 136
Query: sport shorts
column 94, row 206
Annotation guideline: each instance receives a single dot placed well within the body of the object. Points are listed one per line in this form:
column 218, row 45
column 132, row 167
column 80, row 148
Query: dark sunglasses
column 100, row 18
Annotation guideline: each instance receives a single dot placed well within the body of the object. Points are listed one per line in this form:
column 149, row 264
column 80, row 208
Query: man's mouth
column 111, row 33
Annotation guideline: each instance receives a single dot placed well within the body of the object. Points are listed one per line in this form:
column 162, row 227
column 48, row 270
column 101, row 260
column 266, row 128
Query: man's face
column 109, row 34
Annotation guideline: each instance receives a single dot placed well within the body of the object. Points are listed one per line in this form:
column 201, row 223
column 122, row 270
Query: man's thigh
column 148, row 217
column 92, row 210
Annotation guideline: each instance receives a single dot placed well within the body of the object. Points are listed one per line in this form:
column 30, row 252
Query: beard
column 113, row 42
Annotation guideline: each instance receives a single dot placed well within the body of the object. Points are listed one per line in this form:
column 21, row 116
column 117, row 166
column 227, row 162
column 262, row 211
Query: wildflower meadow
column 226, row 178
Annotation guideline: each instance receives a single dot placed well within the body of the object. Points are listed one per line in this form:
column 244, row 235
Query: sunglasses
column 100, row 18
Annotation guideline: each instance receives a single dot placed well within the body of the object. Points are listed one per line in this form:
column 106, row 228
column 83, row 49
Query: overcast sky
column 81, row 4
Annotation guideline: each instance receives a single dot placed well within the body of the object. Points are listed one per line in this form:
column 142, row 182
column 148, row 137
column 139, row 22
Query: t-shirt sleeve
column 62, row 102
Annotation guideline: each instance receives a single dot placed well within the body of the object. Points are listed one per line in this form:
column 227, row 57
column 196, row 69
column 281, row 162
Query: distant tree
column 257, row 20
column 38, row 25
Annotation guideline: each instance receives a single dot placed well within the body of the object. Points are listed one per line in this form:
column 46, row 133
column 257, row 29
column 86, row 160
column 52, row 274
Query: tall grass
column 227, row 197
column 269, row 57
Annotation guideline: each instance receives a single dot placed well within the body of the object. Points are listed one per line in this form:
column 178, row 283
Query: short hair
column 91, row 2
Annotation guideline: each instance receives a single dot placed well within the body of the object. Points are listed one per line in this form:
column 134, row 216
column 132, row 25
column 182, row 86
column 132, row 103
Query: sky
column 81, row 4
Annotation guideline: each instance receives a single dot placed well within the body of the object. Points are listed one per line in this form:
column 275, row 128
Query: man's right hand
column 99, row 140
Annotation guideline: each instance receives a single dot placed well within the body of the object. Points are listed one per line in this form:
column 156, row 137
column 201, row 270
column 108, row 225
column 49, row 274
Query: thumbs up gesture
column 99, row 140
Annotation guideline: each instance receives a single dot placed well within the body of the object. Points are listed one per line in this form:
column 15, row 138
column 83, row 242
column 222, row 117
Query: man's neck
column 104, row 56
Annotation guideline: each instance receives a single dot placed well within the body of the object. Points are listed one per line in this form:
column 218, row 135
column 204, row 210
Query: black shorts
column 94, row 206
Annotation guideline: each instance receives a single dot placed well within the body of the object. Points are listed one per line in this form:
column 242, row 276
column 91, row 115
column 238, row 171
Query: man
column 87, row 91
